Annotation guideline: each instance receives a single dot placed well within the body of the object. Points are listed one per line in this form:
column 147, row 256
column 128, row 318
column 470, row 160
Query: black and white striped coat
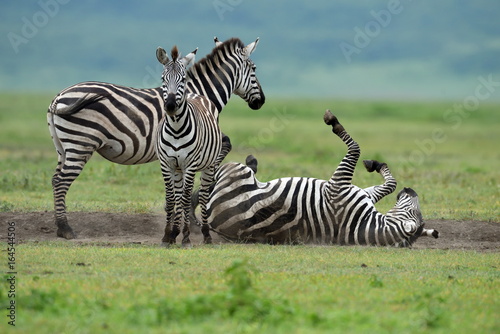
column 120, row 123
column 189, row 141
column 309, row 210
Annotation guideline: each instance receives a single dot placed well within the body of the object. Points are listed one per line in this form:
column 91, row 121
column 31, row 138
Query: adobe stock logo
column 31, row 26
column 371, row 30
column 223, row 6
column 453, row 117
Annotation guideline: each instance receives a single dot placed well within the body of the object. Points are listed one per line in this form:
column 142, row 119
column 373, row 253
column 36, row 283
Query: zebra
column 294, row 210
column 189, row 140
column 120, row 122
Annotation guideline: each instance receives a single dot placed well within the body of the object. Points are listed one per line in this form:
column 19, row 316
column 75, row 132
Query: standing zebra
column 189, row 140
column 120, row 122
column 302, row 210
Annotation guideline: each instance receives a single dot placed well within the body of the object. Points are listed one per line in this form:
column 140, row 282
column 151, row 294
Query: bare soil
column 116, row 228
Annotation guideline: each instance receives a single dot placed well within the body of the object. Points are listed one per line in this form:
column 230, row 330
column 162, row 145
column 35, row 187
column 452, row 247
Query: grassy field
column 450, row 159
column 68, row 288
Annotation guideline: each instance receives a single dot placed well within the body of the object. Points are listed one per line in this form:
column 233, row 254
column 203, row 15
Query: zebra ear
column 247, row 51
column 161, row 55
column 216, row 41
column 189, row 58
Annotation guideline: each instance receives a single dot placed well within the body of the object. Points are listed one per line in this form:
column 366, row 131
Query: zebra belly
column 287, row 210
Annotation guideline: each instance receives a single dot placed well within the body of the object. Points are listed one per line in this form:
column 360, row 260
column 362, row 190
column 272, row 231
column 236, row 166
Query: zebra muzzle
column 170, row 105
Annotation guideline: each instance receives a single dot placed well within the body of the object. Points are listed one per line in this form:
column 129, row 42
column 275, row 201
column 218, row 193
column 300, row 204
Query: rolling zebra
column 120, row 122
column 189, row 140
column 309, row 210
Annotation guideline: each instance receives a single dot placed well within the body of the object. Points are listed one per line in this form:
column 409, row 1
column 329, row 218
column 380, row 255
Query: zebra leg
column 68, row 168
column 226, row 148
column 345, row 171
column 376, row 193
column 170, row 200
column 185, row 204
column 207, row 178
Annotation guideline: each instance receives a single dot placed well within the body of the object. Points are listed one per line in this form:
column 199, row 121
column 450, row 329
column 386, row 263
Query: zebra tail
column 195, row 200
column 80, row 104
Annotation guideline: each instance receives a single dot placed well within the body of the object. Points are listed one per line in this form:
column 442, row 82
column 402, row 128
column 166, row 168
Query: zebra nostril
column 256, row 104
column 170, row 104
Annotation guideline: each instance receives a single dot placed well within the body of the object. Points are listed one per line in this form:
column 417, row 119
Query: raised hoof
column 251, row 162
column 373, row 165
column 226, row 141
column 435, row 234
column 330, row 119
column 66, row 233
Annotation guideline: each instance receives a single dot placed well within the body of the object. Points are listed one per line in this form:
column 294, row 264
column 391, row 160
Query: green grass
column 66, row 287
column 450, row 159
column 72, row 288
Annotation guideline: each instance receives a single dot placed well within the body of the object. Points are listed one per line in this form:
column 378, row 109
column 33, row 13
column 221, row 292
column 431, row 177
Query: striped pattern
column 120, row 123
column 308, row 210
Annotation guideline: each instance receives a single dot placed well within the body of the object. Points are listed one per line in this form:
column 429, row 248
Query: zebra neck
column 214, row 80
column 179, row 117
column 389, row 229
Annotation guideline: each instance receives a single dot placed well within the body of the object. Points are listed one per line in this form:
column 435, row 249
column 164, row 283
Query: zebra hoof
column 435, row 234
column 373, row 165
column 330, row 119
column 226, row 141
column 251, row 162
column 66, row 233
column 168, row 241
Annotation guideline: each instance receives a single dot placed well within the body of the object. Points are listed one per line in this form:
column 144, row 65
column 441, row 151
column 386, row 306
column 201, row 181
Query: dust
column 101, row 227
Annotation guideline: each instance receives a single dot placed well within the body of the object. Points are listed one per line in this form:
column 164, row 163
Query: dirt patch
column 148, row 229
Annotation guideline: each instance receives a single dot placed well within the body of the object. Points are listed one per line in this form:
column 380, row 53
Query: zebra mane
column 228, row 45
column 174, row 53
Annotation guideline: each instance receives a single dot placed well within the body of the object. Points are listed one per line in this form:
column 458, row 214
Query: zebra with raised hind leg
column 120, row 122
column 189, row 140
column 309, row 210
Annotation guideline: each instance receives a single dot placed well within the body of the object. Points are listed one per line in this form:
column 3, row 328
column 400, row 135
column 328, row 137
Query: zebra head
column 247, row 85
column 174, row 77
column 407, row 211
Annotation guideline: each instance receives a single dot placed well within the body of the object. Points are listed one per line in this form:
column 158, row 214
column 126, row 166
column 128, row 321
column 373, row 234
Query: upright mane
column 174, row 53
column 229, row 45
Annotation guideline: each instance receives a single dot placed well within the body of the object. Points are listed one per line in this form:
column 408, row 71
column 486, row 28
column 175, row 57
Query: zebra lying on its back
column 303, row 210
